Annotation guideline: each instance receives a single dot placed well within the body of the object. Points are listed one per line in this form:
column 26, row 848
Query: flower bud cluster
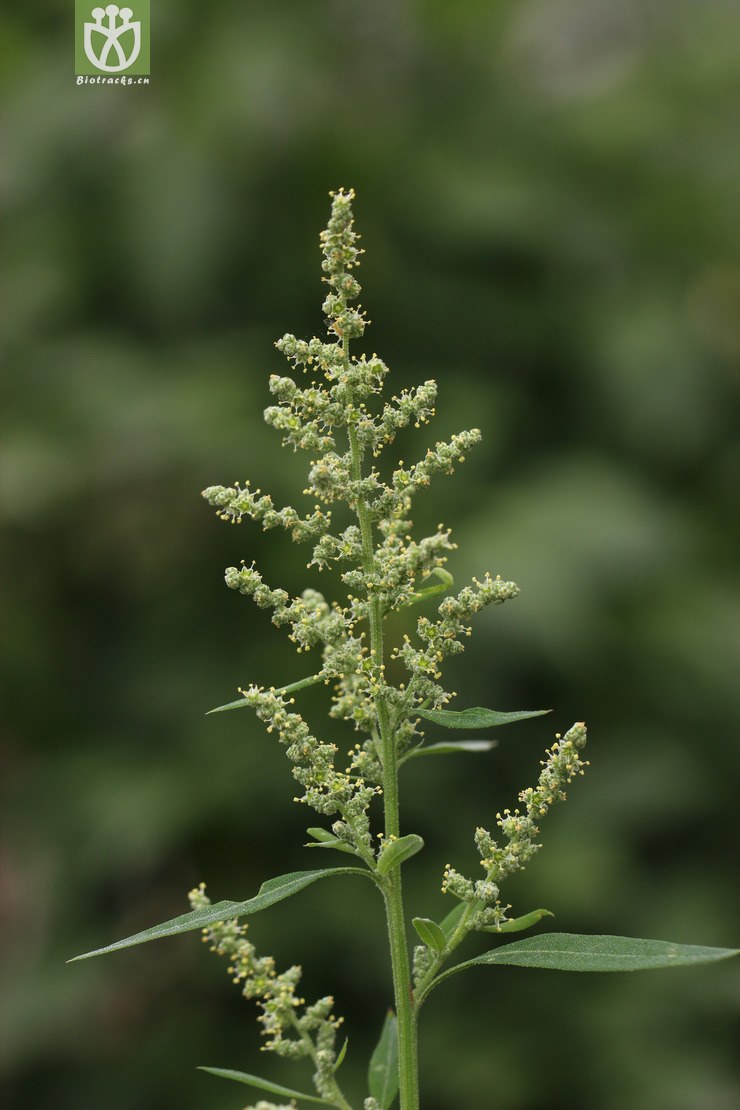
column 346, row 547
column 520, row 831
column 399, row 560
column 423, row 962
column 330, row 479
column 326, row 790
column 353, row 699
column 306, row 354
column 309, row 432
column 234, row 502
column 414, row 406
column 338, row 241
column 289, row 1032
column 312, row 622
column 443, row 637
column 439, row 460
column 308, row 416
column 388, row 503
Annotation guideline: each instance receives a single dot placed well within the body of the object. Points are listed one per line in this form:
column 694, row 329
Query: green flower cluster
column 520, row 831
column 382, row 572
column 327, row 790
column 443, row 637
column 234, row 502
column 481, row 907
column 292, row 1029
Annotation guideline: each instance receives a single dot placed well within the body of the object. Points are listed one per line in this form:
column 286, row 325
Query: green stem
column 407, row 1038
column 408, row 1065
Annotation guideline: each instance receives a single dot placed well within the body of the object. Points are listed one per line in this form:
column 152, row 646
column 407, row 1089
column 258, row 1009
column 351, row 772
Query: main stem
column 408, row 1068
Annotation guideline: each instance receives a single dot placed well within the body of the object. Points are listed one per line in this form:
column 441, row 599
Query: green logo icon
column 111, row 40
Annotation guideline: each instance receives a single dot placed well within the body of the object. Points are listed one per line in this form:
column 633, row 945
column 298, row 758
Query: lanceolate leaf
column 240, row 703
column 321, row 834
column 382, row 1075
column 396, row 851
column 263, row 1085
column 517, row 924
column 324, row 839
column 449, row 748
column 339, row 846
column 573, row 952
column 272, row 891
column 477, row 718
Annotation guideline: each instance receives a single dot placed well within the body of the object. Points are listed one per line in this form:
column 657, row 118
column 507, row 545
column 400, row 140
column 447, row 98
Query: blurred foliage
column 548, row 194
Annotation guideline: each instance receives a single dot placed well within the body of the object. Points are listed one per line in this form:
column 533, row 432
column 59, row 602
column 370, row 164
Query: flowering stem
column 407, row 1035
column 388, row 744
column 388, row 571
column 408, row 1066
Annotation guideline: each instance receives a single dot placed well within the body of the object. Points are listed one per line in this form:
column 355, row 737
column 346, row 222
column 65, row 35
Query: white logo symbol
column 107, row 36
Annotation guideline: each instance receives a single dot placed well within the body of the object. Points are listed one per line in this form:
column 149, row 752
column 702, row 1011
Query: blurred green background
column 548, row 194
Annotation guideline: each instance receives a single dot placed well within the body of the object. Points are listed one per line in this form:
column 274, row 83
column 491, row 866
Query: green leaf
column 263, row 1084
column 240, row 703
column 396, row 851
column 326, row 839
column 451, row 747
column 516, row 924
column 477, row 718
column 430, row 932
column 382, row 1075
column 272, row 891
column 321, row 834
column 342, row 1053
column 572, row 952
column 335, row 842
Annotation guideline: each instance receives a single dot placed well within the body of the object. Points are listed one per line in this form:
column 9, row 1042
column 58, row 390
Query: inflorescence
column 343, row 395
column 293, row 1029
column 519, row 830
column 331, row 406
